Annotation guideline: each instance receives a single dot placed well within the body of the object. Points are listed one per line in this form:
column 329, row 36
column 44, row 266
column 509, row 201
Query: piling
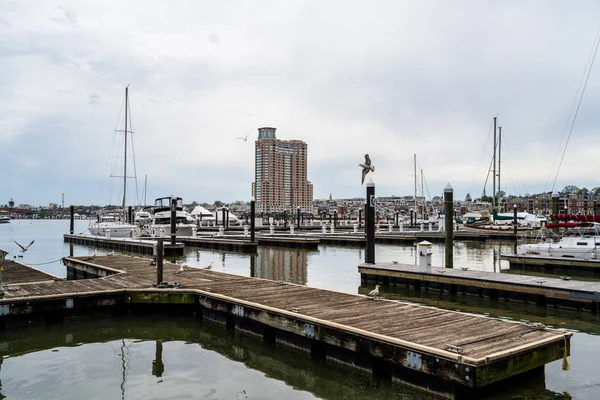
column 360, row 218
column 370, row 223
column 129, row 215
column 173, row 220
column 223, row 214
column 334, row 217
column 411, row 218
column 515, row 219
column 448, row 220
column 252, row 218
column 298, row 217
column 72, row 226
column 159, row 261
column 555, row 198
column 227, row 219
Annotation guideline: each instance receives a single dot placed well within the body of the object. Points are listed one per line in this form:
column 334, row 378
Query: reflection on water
column 281, row 265
column 182, row 358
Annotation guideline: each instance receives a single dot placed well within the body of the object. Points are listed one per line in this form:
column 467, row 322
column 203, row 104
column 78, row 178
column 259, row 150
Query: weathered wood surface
column 478, row 339
column 553, row 287
column 15, row 272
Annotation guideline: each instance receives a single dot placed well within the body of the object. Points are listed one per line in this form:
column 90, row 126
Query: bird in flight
column 367, row 167
column 375, row 292
column 24, row 248
column 243, row 138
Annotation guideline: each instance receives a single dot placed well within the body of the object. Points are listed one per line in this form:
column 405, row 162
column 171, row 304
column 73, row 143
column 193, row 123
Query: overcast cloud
column 387, row 78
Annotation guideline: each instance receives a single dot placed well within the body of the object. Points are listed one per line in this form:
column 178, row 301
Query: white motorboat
column 160, row 223
column 583, row 247
column 4, row 217
column 115, row 225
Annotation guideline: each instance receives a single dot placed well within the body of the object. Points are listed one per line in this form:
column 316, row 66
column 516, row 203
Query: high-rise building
column 280, row 177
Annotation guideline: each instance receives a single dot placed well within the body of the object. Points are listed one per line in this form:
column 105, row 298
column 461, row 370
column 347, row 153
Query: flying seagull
column 245, row 138
column 24, row 249
column 367, row 167
column 209, row 266
column 373, row 293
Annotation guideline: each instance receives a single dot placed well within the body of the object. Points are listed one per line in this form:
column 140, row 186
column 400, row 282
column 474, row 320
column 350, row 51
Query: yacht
column 582, row 247
column 4, row 217
column 160, row 222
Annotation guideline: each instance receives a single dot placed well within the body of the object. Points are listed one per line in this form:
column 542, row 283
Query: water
column 114, row 358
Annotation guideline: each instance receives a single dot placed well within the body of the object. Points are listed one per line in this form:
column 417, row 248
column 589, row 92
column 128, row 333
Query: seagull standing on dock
column 180, row 270
column 209, row 266
column 367, row 167
column 24, row 248
column 375, row 292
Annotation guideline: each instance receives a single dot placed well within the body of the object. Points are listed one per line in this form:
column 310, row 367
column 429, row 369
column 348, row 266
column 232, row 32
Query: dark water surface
column 162, row 357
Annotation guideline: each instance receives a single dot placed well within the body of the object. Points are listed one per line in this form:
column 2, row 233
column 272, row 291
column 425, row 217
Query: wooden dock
column 240, row 244
column 555, row 292
column 449, row 353
column 551, row 265
column 130, row 245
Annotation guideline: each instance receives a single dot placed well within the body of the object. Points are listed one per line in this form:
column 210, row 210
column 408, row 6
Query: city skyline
column 391, row 80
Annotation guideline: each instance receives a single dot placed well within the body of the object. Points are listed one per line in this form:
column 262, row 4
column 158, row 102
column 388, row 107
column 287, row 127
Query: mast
column 125, row 158
column 145, row 184
column 499, row 159
column 422, row 196
column 415, row 171
column 494, row 171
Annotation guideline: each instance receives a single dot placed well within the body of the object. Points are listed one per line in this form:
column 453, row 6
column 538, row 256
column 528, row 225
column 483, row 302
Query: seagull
column 245, row 138
column 565, row 278
column 112, row 253
column 541, row 282
column 24, row 249
column 180, row 270
column 441, row 271
column 367, row 167
column 209, row 266
column 464, row 268
column 373, row 293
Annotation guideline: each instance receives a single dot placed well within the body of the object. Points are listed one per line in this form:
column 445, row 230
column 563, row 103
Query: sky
column 387, row 78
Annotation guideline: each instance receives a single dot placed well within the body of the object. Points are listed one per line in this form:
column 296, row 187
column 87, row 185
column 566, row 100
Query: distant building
column 280, row 174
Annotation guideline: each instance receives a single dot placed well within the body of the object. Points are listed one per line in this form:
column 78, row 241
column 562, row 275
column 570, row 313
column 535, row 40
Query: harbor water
column 178, row 357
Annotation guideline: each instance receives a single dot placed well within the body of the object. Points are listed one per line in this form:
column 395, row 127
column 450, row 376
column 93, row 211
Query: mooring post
column 360, row 217
column 252, row 218
column 335, row 217
column 411, row 218
column 129, row 215
column 370, row 222
column 555, row 199
column 227, row 219
column 173, row 219
column 515, row 219
column 448, row 220
column 72, row 226
column 396, row 219
column 158, row 367
column 298, row 224
column 223, row 215
column 159, row 261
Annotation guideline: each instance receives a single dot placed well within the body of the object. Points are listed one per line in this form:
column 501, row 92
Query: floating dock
column 552, row 265
column 448, row 353
column 552, row 292
column 243, row 245
column 130, row 245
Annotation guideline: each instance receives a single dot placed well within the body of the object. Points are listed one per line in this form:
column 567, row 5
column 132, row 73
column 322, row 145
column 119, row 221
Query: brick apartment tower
column 280, row 182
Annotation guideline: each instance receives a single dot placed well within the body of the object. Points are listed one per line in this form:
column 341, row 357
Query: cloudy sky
column 388, row 78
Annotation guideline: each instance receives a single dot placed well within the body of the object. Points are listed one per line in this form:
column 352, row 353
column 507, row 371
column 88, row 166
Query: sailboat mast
column 499, row 160
column 145, row 186
column 422, row 197
column 125, row 158
column 494, row 171
column 415, row 171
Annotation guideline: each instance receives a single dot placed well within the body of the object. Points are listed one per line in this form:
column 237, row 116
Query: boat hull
column 112, row 230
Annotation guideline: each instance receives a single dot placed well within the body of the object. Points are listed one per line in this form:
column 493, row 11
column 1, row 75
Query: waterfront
column 331, row 267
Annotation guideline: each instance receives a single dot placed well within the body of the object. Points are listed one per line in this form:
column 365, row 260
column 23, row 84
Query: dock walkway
column 542, row 290
column 457, row 351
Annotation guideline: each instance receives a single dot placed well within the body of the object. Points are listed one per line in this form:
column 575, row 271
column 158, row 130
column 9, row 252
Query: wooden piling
column 159, row 261
column 173, row 220
column 449, row 225
column 515, row 219
column 252, row 218
column 370, row 223
column 72, row 226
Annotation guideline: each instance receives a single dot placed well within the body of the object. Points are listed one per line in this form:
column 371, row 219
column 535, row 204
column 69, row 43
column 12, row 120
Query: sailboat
column 115, row 225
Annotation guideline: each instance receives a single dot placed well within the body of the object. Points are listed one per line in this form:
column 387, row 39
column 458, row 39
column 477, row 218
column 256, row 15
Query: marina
column 308, row 319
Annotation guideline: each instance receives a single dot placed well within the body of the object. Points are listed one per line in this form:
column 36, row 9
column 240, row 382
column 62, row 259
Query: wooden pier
column 449, row 353
column 240, row 244
column 131, row 245
column 552, row 292
column 552, row 265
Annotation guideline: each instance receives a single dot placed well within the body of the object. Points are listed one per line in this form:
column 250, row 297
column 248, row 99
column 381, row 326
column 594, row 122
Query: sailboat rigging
column 110, row 224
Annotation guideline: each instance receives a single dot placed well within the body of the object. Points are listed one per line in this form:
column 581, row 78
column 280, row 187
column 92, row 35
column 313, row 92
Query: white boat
column 202, row 216
column 583, row 247
column 160, row 223
column 4, row 217
column 111, row 225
